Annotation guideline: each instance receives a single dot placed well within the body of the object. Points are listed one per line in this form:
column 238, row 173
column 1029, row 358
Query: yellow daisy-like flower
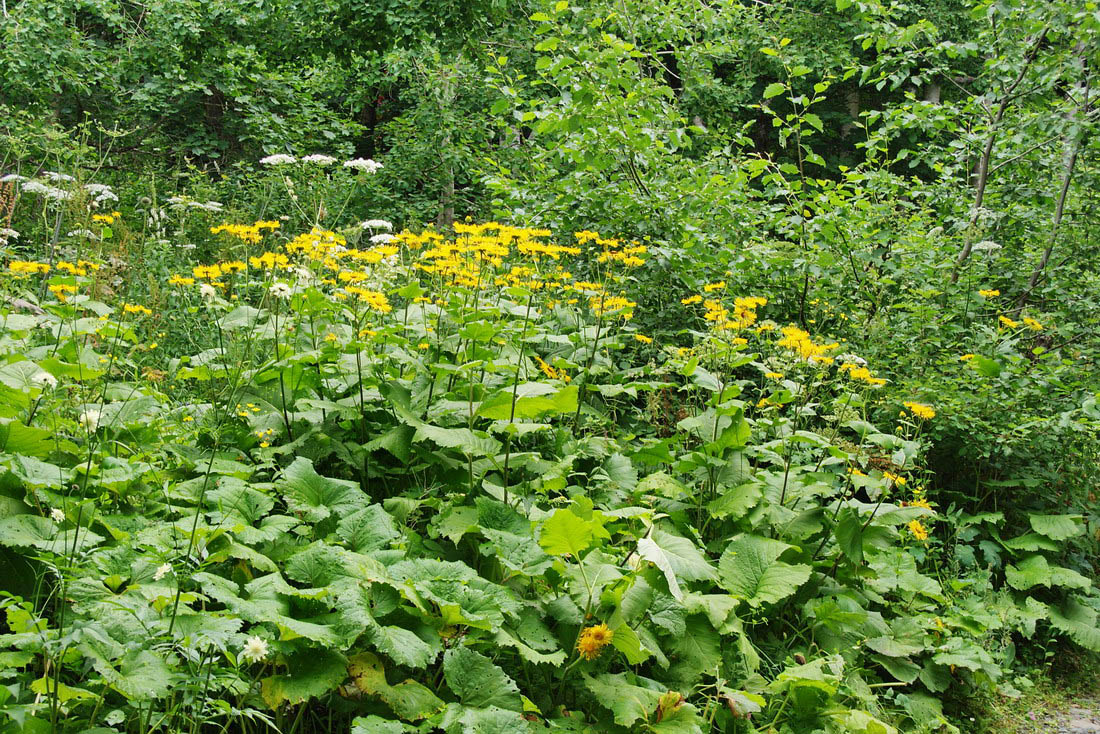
column 919, row 531
column 1032, row 324
column 691, row 300
column 593, row 640
column 1008, row 322
column 643, row 338
column 992, row 293
column 966, row 357
column 920, row 410
column 774, row 375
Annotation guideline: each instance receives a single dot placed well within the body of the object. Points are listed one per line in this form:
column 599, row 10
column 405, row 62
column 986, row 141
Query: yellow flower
column 920, row 410
column 643, row 338
column 1032, row 324
column 919, row 531
column 180, row 280
column 710, row 287
column 136, row 308
column 207, row 272
column 423, row 346
column 993, row 293
column 330, row 337
column 1008, row 322
column 691, row 300
column 898, row 480
column 62, row 291
column 966, row 357
column 594, row 639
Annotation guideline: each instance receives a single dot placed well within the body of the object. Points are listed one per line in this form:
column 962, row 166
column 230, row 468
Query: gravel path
column 1081, row 718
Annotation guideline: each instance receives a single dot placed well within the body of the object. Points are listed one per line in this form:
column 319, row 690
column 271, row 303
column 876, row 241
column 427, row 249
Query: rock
column 1082, row 726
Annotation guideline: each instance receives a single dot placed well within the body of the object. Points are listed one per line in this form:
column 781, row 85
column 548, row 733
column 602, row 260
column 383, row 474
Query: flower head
column 919, row 531
column 255, row 650
column 920, row 410
column 280, row 290
column 57, row 514
column 376, row 223
column 594, row 639
column 363, row 164
column 319, row 159
column 162, row 570
column 279, row 159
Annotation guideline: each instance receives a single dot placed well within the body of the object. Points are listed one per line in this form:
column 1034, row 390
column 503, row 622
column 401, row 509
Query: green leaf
column 676, row 557
column 849, row 535
column 1078, row 621
column 749, row 568
column 16, row 438
column 317, row 497
column 1032, row 571
column 311, row 673
column 368, row 529
column 564, row 533
column 627, row 702
column 377, row 725
column 1056, row 527
column 774, row 89
column 409, row 700
column 986, row 366
column 478, row 682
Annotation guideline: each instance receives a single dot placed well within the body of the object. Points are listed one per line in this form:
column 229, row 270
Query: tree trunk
column 982, row 178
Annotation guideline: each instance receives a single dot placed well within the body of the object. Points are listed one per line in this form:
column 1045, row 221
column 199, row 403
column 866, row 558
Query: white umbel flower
column 279, row 159
column 319, row 159
column 363, row 164
column 49, row 192
column 162, row 570
column 254, row 650
column 381, row 238
column 208, row 292
column 57, row 515
column 986, row 246
column 90, row 419
column 377, row 224
column 44, row 379
column 280, row 290
column 100, row 193
column 12, row 178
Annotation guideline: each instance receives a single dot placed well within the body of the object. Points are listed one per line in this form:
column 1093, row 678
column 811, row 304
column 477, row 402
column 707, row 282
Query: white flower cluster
column 56, row 177
column 101, row 193
column 51, row 193
column 320, row 159
column 44, row 380
column 279, row 159
column 7, row 234
column 183, row 202
column 83, row 234
column 363, row 164
column 13, row 178
column 381, row 238
column 377, row 224
column 985, row 246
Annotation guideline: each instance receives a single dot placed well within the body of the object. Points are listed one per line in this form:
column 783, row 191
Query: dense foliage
column 527, row 366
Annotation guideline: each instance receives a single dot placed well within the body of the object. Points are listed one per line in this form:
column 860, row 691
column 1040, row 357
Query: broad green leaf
column 410, row 700
column 564, row 533
column 1057, row 527
column 317, row 497
column 311, row 673
column 627, row 702
column 368, row 529
column 478, row 682
column 377, row 725
column 1078, row 621
column 676, row 557
column 749, row 569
